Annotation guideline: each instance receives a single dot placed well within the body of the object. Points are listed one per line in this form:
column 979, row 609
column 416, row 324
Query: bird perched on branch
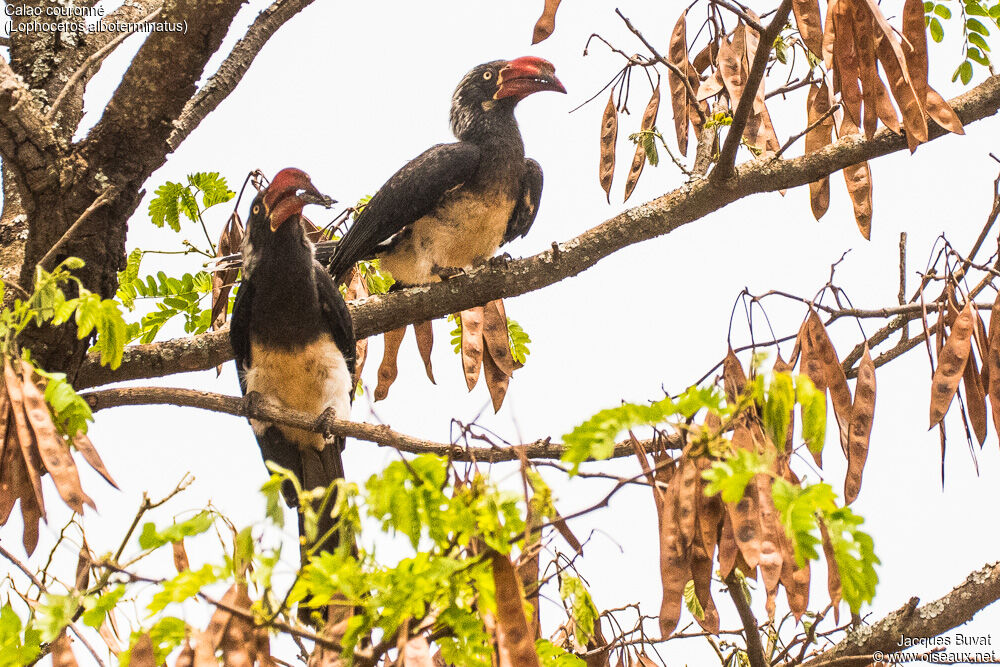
column 293, row 340
column 454, row 205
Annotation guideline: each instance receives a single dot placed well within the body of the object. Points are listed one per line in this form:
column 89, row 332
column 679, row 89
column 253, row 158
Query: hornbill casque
column 454, row 205
column 292, row 339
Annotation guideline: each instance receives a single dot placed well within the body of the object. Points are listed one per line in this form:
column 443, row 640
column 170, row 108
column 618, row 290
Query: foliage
column 976, row 18
column 173, row 199
column 175, row 296
column 583, row 613
column 517, row 338
column 596, row 437
column 19, row 645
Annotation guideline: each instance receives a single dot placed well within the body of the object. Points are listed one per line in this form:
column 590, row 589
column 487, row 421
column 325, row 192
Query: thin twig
column 106, row 195
column 819, row 121
column 22, row 567
column 790, row 86
column 671, row 66
column 749, row 20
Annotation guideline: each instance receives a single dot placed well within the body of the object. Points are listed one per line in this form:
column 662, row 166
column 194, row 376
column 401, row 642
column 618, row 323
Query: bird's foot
column 325, row 421
column 447, row 272
column 251, row 403
column 501, row 261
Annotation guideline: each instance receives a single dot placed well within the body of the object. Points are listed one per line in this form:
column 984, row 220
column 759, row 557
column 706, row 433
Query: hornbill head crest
column 287, row 194
column 523, row 76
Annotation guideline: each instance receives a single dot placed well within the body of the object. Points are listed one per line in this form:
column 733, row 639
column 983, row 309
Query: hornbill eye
column 256, row 209
column 487, row 75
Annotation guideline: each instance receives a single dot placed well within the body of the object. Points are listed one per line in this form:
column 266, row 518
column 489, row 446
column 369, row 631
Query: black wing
column 336, row 316
column 239, row 331
column 411, row 193
column 322, row 468
column 526, row 207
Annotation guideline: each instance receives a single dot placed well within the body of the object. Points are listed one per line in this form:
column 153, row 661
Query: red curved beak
column 288, row 193
column 523, row 76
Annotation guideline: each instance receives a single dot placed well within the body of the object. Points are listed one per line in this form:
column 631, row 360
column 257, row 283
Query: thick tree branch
column 27, row 142
column 379, row 434
column 979, row 590
column 129, row 12
column 660, row 216
column 91, row 61
column 232, row 69
column 741, row 113
column 131, row 136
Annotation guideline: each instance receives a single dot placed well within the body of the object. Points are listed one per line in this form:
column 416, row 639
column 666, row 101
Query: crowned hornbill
column 454, row 205
column 292, row 337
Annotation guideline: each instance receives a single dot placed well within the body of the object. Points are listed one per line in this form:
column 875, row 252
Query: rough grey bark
column 979, row 590
column 50, row 181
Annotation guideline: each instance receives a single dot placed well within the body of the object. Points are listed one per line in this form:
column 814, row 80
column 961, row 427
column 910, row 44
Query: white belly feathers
column 308, row 379
column 465, row 231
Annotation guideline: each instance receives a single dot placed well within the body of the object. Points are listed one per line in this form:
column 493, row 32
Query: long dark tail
column 320, row 470
column 313, row 469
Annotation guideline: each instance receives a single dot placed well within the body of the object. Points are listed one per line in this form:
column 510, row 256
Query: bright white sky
column 350, row 91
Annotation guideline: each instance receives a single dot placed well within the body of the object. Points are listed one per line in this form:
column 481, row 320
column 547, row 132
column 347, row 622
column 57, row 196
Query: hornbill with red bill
column 293, row 340
column 454, row 205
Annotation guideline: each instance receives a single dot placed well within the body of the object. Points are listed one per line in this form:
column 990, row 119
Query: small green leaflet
column 70, row 412
column 185, row 585
column 95, row 608
column 151, row 538
column 55, row 613
column 692, row 602
column 731, row 475
column 581, row 606
column 812, row 404
column 551, row 655
column 517, row 338
column 778, row 407
column 16, row 647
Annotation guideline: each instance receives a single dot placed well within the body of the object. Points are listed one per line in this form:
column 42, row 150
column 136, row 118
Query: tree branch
column 129, row 12
column 92, row 60
column 130, row 139
column 232, row 69
column 979, row 590
column 755, row 651
column 660, row 216
column 379, row 434
column 749, row 20
column 741, row 113
column 27, row 142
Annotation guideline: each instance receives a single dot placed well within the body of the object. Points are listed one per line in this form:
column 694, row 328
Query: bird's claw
column 250, row 405
column 325, row 421
column 448, row 272
column 501, row 261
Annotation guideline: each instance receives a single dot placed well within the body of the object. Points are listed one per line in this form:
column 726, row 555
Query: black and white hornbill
column 292, row 337
column 454, row 205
